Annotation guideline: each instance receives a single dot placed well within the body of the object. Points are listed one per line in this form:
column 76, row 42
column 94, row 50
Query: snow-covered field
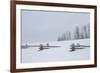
column 62, row 53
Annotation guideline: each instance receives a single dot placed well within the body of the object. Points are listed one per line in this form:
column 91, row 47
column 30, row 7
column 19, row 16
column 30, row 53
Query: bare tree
column 88, row 30
column 62, row 37
column 77, row 33
column 85, row 31
column 80, row 33
column 69, row 35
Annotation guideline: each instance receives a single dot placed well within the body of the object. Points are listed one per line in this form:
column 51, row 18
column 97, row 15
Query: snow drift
column 62, row 53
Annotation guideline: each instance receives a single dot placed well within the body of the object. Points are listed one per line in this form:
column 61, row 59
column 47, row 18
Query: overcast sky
column 43, row 26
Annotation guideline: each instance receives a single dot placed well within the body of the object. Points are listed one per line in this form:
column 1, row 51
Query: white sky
column 43, row 26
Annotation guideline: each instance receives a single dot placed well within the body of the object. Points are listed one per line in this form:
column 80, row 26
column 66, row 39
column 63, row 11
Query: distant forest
column 79, row 33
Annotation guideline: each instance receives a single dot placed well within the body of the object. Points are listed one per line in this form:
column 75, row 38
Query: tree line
column 79, row 33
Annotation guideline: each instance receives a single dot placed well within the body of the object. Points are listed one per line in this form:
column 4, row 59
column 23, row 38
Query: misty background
column 43, row 26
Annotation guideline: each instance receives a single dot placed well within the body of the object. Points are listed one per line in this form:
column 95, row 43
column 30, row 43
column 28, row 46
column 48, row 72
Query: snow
column 62, row 53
